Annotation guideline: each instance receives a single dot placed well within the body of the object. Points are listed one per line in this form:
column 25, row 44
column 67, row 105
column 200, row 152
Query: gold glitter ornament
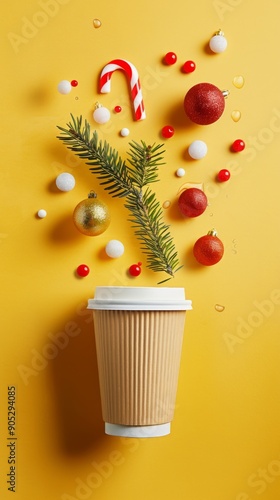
column 91, row 216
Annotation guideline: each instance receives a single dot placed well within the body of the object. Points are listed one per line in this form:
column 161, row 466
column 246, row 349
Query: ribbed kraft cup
column 138, row 354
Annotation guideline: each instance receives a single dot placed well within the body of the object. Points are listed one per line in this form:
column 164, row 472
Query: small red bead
column 170, row 58
column 223, row 175
column 167, row 131
column 189, row 67
column 238, row 145
column 118, row 109
column 135, row 269
column 74, row 83
column 82, row 270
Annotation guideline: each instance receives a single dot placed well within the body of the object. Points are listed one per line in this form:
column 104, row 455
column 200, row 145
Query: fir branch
column 104, row 160
column 146, row 214
column 149, row 227
column 145, row 160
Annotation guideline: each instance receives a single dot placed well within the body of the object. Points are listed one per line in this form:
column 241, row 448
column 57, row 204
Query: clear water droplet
column 219, row 307
column 238, row 82
column 76, row 98
column 166, row 204
column 234, row 250
column 96, row 23
column 236, row 115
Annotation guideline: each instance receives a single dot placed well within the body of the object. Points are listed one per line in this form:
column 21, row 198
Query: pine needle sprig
column 105, row 162
column 156, row 242
column 145, row 161
column 120, row 180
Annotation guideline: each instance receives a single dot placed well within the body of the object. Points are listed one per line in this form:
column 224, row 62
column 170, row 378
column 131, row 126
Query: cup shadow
column 76, row 390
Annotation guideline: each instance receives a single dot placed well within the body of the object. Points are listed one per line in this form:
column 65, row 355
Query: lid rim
column 139, row 298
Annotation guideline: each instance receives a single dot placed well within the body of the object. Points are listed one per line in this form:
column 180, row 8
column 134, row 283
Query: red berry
column 189, row 67
column 238, row 146
column 223, row 175
column 118, row 109
column 204, row 103
column 135, row 269
column 82, row 270
column 74, row 83
column 170, row 58
column 192, row 202
column 167, row 131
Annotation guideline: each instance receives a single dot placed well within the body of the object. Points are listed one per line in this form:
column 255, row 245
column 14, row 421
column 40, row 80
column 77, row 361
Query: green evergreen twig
column 120, row 180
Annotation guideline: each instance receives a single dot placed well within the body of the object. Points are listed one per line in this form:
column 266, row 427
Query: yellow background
column 224, row 443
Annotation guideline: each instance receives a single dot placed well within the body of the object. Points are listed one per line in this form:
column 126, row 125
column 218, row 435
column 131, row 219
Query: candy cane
column 135, row 89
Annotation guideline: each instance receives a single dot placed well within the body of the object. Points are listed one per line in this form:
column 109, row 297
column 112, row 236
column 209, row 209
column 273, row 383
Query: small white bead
column 197, row 150
column 180, row 172
column 114, row 249
column 65, row 182
column 124, row 132
column 218, row 44
column 64, row 87
column 42, row 213
column 101, row 115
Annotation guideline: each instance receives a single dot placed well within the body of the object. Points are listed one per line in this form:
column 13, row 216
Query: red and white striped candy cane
column 135, row 88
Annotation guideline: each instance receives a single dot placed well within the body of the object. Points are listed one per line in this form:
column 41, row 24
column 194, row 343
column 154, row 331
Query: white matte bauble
column 101, row 115
column 180, row 172
column 114, row 249
column 42, row 213
column 124, row 132
column 218, row 43
column 65, row 182
column 64, row 87
column 197, row 150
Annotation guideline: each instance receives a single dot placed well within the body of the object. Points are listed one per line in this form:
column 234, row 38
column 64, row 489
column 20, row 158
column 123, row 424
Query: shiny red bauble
column 170, row 58
column 82, row 270
column 167, row 131
column 135, row 269
column 238, row 145
column 223, row 175
column 188, row 67
column 204, row 103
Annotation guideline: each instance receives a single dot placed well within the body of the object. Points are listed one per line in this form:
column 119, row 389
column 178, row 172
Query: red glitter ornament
column 135, row 269
column 74, row 83
column 223, row 175
column 189, row 67
column 238, row 146
column 192, row 202
column 167, row 131
column 170, row 58
column 82, row 270
column 204, row 103
column 209, row 249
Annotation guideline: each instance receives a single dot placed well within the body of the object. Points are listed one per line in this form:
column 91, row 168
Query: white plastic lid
column 139, row 298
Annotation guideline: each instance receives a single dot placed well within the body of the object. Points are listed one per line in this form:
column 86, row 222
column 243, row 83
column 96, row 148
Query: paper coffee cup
column 138, row 333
